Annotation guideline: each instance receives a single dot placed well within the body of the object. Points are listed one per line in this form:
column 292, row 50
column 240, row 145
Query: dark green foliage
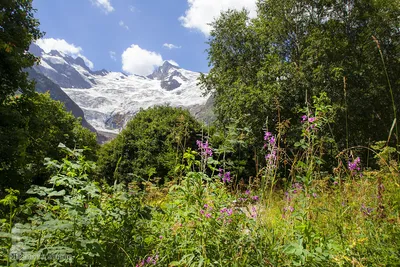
column 31, row 129
column 152, row 144
column 73, row 222
column 18, row 28
column 268, row 67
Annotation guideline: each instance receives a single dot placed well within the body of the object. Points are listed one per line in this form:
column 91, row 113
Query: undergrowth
column 346, row 218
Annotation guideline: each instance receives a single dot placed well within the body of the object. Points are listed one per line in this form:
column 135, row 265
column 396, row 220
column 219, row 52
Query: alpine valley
column 107, row 100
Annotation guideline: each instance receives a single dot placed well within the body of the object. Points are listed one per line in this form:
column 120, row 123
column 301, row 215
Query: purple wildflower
column 267, row 136
column 304, row 118
column 149, row 260
column 247, row 192
column 227, row 177
column 208, row 215
column 297, row 185
column 255, row 198
column 205, row 149
column 311, row 119
column 354, row 166
column 229, row 212
column 272, row 140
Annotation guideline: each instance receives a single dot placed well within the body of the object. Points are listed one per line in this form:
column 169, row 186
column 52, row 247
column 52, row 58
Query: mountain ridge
column 109, row 99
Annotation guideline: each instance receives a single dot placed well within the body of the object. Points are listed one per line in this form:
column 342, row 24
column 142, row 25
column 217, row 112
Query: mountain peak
column 36, row 50
column 163, row 71
column 170, row 63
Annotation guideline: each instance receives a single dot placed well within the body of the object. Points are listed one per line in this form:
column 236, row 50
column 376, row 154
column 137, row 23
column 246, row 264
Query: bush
column 152, row 144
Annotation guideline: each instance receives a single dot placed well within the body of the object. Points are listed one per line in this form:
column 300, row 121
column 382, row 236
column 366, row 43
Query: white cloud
column 63, row 46
column 171, row 46
column 132, row 8
column 136, row 60
column 173, row 62
column 103, row 4
column 123, row 25
column 113, row 55
column 202, row 12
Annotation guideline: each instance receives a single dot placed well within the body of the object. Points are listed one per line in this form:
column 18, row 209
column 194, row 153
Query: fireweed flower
column 304, row 118
column 355, row 167
column 272, row 140
column 272, row 149
column 149, row 260
column 311, row 119
column 267, row 136
column 227, row 177
column 229, row 212
column 297, row 188
column 204, row 148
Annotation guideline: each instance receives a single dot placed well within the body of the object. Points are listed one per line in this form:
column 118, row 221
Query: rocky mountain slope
column 109, row 99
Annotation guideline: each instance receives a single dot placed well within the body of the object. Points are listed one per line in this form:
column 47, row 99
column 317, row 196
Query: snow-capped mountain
column 110, row 99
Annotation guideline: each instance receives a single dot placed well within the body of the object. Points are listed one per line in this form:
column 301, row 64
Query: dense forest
column 301, row 166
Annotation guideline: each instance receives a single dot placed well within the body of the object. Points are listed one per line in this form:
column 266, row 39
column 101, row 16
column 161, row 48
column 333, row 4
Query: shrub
column 151, row 145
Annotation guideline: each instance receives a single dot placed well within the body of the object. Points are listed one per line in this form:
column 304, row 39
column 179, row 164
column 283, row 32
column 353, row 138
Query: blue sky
column 132, row 35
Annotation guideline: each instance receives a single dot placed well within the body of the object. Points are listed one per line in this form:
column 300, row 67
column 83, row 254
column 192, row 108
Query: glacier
column 110, row 99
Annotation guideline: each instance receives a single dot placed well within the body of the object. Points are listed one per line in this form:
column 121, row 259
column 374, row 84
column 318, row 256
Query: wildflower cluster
column 290, row 195
column 271, row 148
column 249, row 196
column 225, row 215
column 151, row 260
column 355, row 166
column 226, row 176
column 309, row 120
column 205, row 149
column 206, row 212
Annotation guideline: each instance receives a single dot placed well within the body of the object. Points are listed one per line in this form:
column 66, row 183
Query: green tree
column 152, row 144
column 264, row 69
column 31, row 129
column 18, row 28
